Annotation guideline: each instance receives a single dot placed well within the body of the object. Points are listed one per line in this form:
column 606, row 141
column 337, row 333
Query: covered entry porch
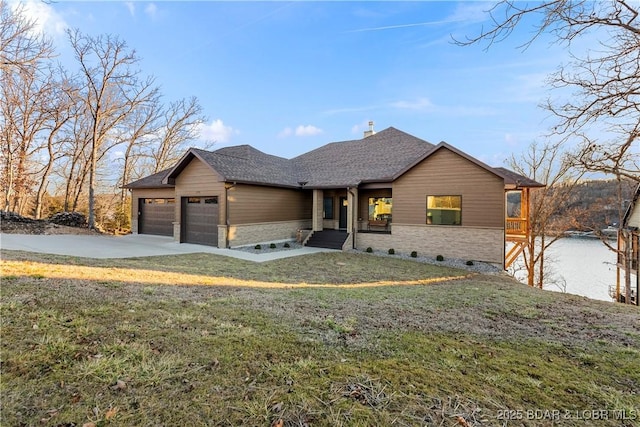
column 339, row 214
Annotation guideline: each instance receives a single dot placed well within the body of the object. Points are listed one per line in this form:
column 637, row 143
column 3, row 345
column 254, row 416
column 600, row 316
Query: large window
column 328, row 207
column 380, row 208
column 514, row 204
column 444, row 210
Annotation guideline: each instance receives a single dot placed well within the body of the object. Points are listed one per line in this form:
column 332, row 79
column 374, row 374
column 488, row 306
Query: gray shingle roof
column 378, row 157
column 244, row 163
column 510, row 177
column 381, row 157
column 151, row 181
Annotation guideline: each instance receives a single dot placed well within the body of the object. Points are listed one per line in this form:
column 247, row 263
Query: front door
column 343, row 213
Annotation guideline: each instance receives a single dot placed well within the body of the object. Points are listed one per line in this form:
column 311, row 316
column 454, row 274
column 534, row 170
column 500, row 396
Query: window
column 444, row 210
column 193, row 200
column 514, row 204
column 328, row 207
column 380, row 208
column 211, row 201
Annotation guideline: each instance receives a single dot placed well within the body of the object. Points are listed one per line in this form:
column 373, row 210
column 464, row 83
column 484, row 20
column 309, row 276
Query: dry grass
column 115, row 342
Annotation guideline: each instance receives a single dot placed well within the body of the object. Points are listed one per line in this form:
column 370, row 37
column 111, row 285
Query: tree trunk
column 541, row 262
column 531, row 265
column 628, row 239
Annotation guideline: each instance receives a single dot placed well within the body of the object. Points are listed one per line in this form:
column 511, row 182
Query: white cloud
column 470, row 12
column 46, row 19
column 510, row 139
column 285, row 132
column 217, row 132
column 151, row 10
column 418, row 104
column 308, row 130
column 131, row 7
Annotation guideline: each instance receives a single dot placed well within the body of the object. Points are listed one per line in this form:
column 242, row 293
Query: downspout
column 226, row 212
column 504, row 229
column 354, row 218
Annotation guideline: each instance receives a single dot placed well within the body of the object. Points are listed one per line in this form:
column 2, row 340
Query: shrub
column 469, row 262
column 439, row 258
column 286, row 245
column 369, row 249
column 414, row 254
column 392, row 251
column 272, row 246
column 258, row 247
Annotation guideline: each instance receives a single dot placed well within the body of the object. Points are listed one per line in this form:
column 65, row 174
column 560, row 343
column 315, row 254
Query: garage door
column 156, row 216
column 200, row 220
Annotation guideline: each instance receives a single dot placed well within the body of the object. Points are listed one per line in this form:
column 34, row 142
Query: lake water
column 587, row 266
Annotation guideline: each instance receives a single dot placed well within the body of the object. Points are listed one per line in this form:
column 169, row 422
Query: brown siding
column 250, row 204
column 446, row 173
column 198, row 179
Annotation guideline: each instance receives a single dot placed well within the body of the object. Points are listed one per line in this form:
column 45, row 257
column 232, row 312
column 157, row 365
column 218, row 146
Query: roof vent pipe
column 370, row 131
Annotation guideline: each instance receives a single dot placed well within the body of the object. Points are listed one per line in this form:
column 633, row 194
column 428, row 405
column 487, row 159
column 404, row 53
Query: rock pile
column 60, row 223
column 70, row 219
column 12, row 216
column 11, row 222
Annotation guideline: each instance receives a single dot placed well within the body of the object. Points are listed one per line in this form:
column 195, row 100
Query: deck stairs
column 328, row 239
column 514, row 252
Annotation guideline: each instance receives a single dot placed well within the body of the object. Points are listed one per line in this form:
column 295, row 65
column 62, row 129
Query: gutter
column 226, row 212
column 354, row 220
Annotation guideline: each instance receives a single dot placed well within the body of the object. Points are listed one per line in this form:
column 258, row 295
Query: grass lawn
column 320, row 340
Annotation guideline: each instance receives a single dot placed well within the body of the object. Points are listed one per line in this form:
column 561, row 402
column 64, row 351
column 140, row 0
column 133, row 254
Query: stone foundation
column 468, row 243
column 265, row 232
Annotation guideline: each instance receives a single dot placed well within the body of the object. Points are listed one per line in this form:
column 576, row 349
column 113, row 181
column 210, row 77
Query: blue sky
column 287, row 77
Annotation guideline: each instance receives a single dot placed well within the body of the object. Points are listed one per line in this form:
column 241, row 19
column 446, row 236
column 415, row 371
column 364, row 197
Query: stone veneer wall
column 468, row 243
column 246, row 234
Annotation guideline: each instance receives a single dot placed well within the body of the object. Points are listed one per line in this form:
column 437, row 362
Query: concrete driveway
column 130, row 246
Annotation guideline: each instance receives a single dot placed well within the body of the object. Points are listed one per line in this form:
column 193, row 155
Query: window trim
column 374, row 198
column 443, row 195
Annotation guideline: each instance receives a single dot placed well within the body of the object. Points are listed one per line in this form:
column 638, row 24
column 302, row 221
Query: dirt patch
column 65, row 223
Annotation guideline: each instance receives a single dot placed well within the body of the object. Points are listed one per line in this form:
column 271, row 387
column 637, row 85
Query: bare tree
column 74, row 165
column 20, row 46
column 26, row 94
column 137, row 133
column 24, row 88
column 112, row 91
column 62, row 103
column 179, row 124
column 604, row 82
column 549, row 165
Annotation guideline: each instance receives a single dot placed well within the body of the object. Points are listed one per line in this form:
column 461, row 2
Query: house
column 386, row 190
column 629, row 252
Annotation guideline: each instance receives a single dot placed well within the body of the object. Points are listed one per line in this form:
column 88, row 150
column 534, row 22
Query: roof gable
column 511, row 179
column 241, row 163
column 378, row 157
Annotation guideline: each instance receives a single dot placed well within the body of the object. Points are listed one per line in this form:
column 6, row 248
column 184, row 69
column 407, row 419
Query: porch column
column 318, row 208
column 352, row 209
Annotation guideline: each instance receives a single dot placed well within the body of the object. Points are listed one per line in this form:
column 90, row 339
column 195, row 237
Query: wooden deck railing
column 516, row 227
